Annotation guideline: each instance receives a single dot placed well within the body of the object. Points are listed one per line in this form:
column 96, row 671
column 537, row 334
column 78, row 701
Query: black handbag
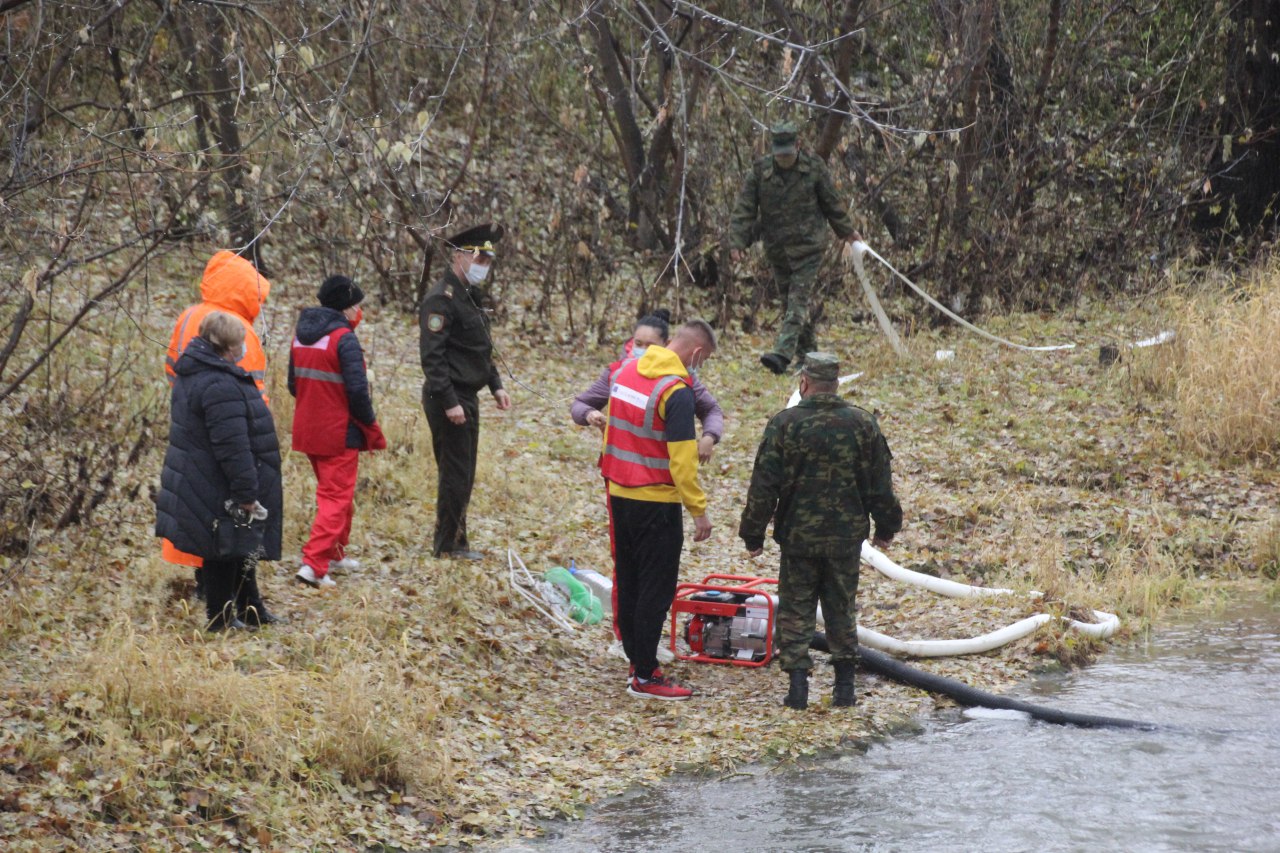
column 233, row 538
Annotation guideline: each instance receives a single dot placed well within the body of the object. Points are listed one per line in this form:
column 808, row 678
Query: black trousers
column 455, row 447
column 647, row 537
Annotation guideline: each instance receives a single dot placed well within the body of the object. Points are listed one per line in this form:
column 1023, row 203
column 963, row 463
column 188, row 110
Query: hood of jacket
column 316, row 322
column 660, row 361
column 234, row 284
column 200, row 356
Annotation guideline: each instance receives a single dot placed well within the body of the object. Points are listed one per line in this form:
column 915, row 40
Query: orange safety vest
column 635, row 450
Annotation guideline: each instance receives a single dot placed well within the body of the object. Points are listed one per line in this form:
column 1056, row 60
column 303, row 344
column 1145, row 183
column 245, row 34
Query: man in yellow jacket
column 234, row 285
column 650, row 462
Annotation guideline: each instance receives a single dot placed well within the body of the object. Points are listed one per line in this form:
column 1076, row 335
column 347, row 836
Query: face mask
column 244, row 352
column 355, row 321
column 637, row 352
column 476, row 274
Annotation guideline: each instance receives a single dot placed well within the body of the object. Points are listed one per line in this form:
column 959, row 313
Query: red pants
column 335, row 505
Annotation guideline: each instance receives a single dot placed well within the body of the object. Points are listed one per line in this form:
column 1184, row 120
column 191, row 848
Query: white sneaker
column 346, row 564
column 307, row 575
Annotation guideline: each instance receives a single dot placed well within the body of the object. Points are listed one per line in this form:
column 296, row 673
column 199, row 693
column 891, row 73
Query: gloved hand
column 243, row 514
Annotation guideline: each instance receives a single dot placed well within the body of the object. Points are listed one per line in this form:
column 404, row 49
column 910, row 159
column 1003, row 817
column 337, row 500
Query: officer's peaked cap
column 478, row 238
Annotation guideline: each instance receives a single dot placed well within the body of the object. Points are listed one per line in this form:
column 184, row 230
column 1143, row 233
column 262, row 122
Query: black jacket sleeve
column 356, row 379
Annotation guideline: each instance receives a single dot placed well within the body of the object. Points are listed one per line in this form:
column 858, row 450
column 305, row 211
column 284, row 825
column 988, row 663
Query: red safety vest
column 635, row 450
column 322, row 414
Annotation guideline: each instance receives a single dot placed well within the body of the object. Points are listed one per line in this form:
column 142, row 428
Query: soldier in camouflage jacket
column 788, row 200
column 821, row 469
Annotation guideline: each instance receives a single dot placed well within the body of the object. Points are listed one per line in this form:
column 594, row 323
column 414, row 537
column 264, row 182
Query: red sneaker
column 631, row 672
column 658, row 687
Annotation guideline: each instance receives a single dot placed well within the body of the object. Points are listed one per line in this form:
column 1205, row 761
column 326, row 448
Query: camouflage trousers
column 797, row 278
column 803, row 581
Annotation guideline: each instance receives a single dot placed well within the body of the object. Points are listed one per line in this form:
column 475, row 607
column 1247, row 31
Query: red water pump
column 731, row 620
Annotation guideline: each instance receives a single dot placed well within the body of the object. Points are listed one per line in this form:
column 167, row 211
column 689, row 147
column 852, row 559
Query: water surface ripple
column 1013, row 785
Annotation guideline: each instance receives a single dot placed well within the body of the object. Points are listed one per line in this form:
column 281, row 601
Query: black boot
column 843, row 695
column 798, row 695
column 250, row 606
column 221, row 579
column 199, row 576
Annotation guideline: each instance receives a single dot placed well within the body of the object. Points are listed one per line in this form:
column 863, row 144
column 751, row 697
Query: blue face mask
column 637, row 352
column 477, row 273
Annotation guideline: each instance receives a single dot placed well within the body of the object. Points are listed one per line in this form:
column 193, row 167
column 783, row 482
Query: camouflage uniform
column 790, row 209
column 822, row 467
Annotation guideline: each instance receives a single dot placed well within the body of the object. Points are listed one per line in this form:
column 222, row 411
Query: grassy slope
column 420, row 702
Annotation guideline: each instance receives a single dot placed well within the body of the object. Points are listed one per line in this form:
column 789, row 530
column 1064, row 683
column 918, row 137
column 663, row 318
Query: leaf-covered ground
column 421, row 702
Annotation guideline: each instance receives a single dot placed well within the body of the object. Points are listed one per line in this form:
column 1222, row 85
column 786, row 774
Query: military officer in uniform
column 457, row 359
column 821, row 469
column 788, row 200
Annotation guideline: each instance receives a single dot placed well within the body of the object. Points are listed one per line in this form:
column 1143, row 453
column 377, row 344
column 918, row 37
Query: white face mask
column 476, row 274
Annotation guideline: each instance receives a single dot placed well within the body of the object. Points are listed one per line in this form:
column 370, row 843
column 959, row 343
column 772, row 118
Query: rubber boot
column 842, row 696
column 798, row 695
column 249, row 604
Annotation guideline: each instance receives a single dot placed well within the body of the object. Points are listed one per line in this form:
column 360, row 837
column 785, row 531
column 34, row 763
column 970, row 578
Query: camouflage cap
column 784, row 137
column 822, row 366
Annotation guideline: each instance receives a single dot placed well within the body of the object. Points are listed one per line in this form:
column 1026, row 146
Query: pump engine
column 731, row 620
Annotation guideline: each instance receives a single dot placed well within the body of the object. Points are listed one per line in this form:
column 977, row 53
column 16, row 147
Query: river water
column 983, row 784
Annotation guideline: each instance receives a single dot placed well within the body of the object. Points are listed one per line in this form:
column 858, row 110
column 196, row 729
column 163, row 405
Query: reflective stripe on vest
column 635, row 452
column 316, row 373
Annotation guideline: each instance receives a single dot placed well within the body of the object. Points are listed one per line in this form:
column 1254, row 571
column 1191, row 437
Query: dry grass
column 1225, row 369
column 1264, row 549
column 341, row 710
column 421, row 702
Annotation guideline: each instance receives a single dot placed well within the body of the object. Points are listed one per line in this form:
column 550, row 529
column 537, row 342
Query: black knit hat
column 340, row 293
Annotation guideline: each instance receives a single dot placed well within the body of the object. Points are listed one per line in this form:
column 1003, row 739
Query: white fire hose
column 1105, row 626
column 853, row 254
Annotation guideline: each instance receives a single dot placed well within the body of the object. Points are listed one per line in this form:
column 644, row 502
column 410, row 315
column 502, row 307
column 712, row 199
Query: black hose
column 882, row 664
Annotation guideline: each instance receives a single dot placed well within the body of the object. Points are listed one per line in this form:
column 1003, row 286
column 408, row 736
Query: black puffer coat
column 222, row 444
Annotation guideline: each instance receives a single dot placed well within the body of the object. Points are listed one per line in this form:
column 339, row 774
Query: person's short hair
column 701, row 330
column 223, row 332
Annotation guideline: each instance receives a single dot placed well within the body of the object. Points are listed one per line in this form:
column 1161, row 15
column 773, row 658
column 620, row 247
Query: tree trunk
column 1243, row 180
column 226, row 134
